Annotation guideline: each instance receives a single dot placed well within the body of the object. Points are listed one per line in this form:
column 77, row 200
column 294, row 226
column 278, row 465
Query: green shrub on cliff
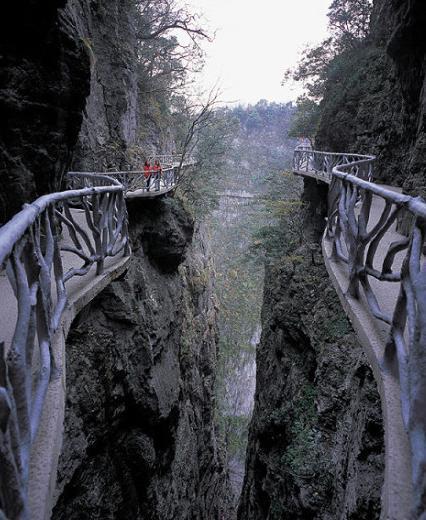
column 327, row 64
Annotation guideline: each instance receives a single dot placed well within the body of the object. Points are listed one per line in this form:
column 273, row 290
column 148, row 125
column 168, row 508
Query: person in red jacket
column 157, row 174
column 147, row 174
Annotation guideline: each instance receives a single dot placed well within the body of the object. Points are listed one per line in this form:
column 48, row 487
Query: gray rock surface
column 119, row 122
column 315, row 447
column 44, row 81
column 139, row 431
column 110, row 122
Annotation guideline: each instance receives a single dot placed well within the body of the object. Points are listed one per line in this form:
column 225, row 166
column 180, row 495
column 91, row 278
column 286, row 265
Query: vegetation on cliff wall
column 315, row 447
column 370, row 91
column 253, row 170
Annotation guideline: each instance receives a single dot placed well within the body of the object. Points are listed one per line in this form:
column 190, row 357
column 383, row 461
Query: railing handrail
column 415, row 205
column 16, row 227
column 335, row 154
column 98, row 176
column 321, row 163
column 306, row 148
column 136, row 182
column 117, row 172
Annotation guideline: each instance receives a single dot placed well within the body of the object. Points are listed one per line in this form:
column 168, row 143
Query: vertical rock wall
column 315, row 446
column 118, row 123
column 110, row 122
column 316, row 440
column 44, row 80
column 140, row 438
column 407, row 47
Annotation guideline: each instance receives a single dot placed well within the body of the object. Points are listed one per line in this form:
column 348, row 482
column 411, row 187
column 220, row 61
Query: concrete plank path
column 373, row 335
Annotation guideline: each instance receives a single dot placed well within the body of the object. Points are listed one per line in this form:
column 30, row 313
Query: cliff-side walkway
column 137, row 185
column 379, row 276
column 56, row 255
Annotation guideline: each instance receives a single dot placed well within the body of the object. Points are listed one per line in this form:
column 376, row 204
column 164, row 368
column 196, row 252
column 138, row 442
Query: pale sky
column 256, row 41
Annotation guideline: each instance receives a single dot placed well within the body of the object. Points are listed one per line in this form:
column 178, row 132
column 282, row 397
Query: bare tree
column 199, row 116
column 161, row 16
column 170, row 38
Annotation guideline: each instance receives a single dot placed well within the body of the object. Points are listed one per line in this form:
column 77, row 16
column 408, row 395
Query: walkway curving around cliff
column 136, row 185
column 378, row 275
column 56, row 255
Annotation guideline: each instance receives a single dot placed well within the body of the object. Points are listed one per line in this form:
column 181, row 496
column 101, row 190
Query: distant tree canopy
column 227, row 137
column 264, row 116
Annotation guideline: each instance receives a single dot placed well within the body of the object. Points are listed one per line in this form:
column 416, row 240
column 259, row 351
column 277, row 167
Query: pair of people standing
column 152, row 174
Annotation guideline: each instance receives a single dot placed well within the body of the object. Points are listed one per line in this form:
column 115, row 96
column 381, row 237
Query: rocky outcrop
column 375, row 98
column 44, row 78
column 139, row 431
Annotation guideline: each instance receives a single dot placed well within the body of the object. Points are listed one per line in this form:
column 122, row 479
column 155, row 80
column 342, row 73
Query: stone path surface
column 373, row 335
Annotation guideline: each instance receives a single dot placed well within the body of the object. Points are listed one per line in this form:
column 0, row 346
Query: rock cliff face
column 139, row 430
column 375, row 100
column 110, row 122
column 118, row 121
column 44, row 78
column 316, row 440
column 53, row 55
column 407, row 47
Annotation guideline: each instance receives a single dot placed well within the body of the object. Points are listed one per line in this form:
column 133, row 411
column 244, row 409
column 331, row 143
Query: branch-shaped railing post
column 94, row 227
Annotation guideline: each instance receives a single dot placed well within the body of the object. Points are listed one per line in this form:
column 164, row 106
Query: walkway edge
column 397, row 491
column 48, row 444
